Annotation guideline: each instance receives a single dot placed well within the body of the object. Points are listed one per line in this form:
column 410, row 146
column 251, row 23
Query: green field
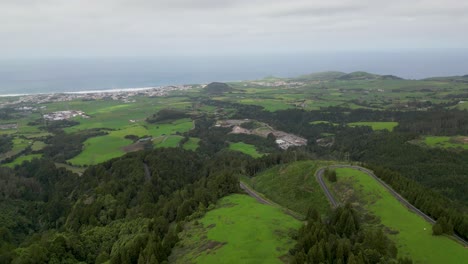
column 38, row 145
column 245, row 148
column 21, row 159
column 268, row 104
column 19, row 144
column 100, row 149
column 192, row 144
column 319, row 122
column 168, row 142
column 103, row 148
column 239, row 230
column 414, row 237
column 292, row 186
column 445, row 142
column 376, row 125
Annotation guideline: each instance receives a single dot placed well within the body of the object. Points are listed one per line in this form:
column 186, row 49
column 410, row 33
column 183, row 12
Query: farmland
column 412, row 233
column 239, row 229
column 245, row 148
column 389, row 126
column 457, row 142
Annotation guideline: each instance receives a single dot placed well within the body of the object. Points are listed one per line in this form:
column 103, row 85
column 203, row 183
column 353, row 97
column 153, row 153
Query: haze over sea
column 32, row 76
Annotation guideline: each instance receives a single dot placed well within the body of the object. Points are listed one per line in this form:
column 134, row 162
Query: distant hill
column 217, row 88
column 321, row 76
column 390, row 77
column 461, row 79
column 336, row 75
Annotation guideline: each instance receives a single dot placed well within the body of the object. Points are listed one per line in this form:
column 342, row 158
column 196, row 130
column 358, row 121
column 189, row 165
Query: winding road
column 319, row 176
column 254, row 194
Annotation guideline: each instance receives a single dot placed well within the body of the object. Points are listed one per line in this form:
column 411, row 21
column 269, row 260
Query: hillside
column 456, row 79
column 217, row 88
column 412, row 233
column 237, row 225
column 360, row 75
column 321, row 76
column 293, row 186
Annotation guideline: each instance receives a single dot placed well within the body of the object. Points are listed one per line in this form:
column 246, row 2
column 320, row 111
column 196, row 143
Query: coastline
column 114, row 90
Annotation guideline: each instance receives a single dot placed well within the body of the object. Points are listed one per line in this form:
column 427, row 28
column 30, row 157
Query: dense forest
column 116, row 211
column 342, row 238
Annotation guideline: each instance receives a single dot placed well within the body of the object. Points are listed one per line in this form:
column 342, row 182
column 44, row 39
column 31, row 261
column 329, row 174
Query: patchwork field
column 21, row 159
column 168, row 142
column 458, row 142
column 239, row 230
column 103, row 148
column 413, row 234
column 376, row 125
column 292, row 186
column 245, row 148
column 192, row 144
column 19, row 145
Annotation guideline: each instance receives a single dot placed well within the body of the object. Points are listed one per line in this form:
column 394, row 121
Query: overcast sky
column 156, row 27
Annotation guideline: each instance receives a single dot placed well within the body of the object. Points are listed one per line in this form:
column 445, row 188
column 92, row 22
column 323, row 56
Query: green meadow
column 414, row 235
column 268, row 104
column 21, row 159
column 245, row 148
column 293, row 186
column 38, row 145
column 238, row 230
column 19, row 145
column 103, row 148
column 444, row 142
column 168, row 142
column 376, row 125
column 100, row 149
column 192, row 144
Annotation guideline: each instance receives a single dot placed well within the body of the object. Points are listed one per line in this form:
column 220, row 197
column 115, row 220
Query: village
column 64, row 115
column 124, row 95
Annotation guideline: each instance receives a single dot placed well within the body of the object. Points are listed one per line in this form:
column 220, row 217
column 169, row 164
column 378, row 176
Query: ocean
column 32, row 76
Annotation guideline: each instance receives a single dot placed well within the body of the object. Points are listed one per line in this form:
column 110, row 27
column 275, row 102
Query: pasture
column 411, row 232
column 376, row 125
column 238, row 230
column 245, row 148
column 457, row 142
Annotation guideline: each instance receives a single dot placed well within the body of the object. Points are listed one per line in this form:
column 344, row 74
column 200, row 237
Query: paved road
column 319, row 176
column 254, row 194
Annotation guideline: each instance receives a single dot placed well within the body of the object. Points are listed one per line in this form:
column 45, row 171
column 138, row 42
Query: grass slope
column 414, row 236
column 192, row 144
column 239, row 230
column 376, row 125
column 103, row 148
column 169, row 142
column 445, row 142
column 245, row 148
column 292, row 186
column 21, row 159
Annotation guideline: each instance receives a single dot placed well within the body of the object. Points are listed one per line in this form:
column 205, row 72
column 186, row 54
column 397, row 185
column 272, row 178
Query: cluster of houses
column 124, row 95
column 277, row 83
column 64, row 115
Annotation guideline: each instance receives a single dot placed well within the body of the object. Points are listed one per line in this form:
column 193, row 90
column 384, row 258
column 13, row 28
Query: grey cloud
column 170, row 26
column 318, row 11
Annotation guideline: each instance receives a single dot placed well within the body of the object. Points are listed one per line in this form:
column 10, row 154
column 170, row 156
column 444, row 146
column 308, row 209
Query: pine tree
column 437, row 229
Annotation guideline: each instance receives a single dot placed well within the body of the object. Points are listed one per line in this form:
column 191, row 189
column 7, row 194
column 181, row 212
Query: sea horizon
column 65, row 75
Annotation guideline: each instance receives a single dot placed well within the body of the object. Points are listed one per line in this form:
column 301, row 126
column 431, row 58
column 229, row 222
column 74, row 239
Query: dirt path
column 319, row 176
